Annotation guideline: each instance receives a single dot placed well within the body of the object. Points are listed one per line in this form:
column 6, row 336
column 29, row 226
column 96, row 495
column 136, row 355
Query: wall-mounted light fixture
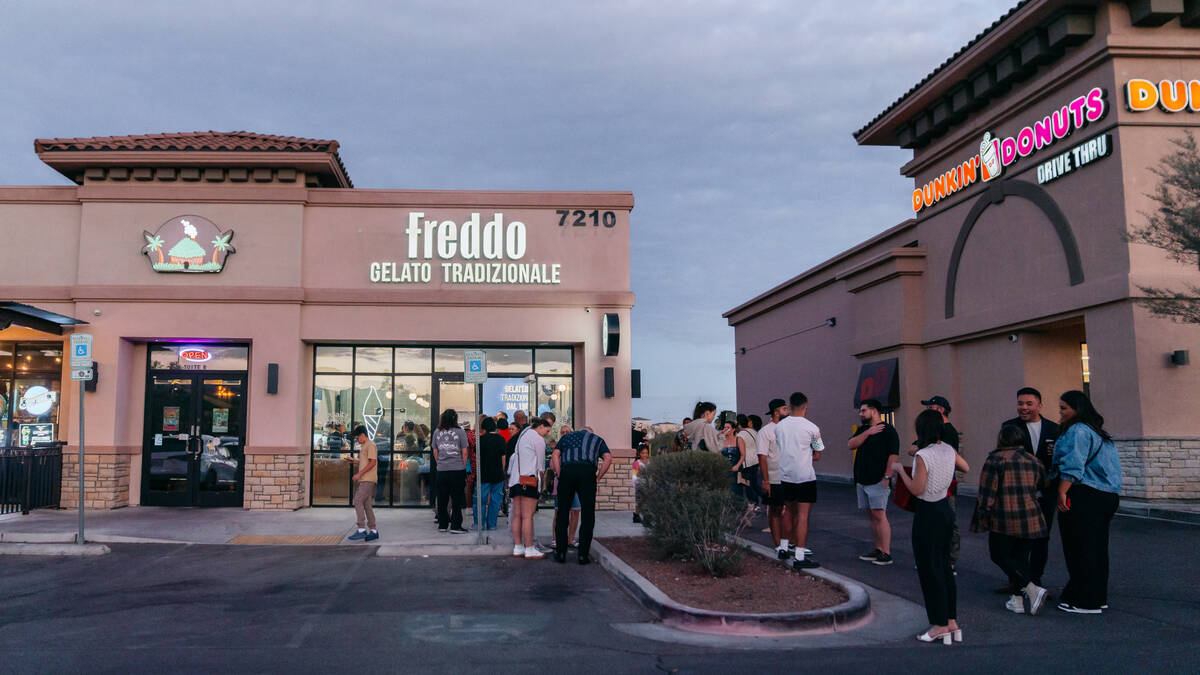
column 610, row 334
column 1179, row 357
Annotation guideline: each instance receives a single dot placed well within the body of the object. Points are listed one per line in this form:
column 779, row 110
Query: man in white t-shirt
column 799, row 446
column 768, row 452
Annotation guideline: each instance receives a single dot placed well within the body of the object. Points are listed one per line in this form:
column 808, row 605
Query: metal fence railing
column 30, row 477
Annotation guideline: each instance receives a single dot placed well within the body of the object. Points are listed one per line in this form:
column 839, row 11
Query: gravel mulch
column 762, row 587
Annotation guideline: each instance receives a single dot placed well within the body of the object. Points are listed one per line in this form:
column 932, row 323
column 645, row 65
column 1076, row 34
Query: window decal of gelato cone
column 989, row 157
column 188, row 237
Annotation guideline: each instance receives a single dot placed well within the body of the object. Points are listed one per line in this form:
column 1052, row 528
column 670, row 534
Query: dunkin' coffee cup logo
column 989, row 157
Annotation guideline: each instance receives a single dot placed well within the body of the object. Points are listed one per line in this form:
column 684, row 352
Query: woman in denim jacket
column 1089, row 470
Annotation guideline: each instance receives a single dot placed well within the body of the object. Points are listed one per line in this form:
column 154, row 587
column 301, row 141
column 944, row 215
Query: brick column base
column 275, row 482
column 615, row 491
column 105, row 480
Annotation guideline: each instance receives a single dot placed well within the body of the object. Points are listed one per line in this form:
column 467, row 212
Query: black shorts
column 519, row 490
column 776, row 496
column 804, row 493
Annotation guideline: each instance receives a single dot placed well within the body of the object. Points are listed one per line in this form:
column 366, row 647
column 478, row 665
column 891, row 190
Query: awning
column 16, row 314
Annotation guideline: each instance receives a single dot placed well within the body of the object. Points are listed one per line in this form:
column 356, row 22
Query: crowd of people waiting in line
column 1038, row 468
column 510, row 461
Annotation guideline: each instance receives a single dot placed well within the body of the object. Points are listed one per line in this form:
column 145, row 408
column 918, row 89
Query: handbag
column 522, row 479
column 901, row 496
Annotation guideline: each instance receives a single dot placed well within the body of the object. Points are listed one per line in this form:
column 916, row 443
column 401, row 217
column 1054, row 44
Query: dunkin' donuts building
column 247, row 304
column 1032, row 155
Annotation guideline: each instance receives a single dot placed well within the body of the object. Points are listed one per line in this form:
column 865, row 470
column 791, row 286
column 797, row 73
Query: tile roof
column 984, row 33
column 195, row 141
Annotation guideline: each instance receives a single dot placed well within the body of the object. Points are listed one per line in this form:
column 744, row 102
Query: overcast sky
column 730, row 121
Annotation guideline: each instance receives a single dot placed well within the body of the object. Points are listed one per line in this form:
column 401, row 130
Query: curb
column 1158, row 513
column 54, row 549
column 69, row 538
column 437, row 550
column 855, row 612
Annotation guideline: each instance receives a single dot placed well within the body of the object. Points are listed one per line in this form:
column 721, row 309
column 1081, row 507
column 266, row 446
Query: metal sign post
column 81, row 371
column 475, row 372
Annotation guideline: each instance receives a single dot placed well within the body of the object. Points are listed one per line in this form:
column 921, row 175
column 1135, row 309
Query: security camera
column 1012, row 337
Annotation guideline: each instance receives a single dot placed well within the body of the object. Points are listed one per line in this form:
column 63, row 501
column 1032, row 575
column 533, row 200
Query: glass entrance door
column 194, row 446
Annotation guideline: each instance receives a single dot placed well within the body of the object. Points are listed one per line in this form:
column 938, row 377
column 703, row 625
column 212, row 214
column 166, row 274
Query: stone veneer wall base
column 615, row 490
column 1160, row 468
column 275, row 482
column 105, row 480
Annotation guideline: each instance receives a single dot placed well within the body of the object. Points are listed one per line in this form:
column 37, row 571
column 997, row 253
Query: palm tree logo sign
column 187, row 236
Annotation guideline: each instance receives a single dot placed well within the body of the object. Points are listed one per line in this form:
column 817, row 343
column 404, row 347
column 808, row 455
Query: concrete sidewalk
column 409, row 528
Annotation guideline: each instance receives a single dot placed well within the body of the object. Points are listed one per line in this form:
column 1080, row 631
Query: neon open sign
column 195, row 354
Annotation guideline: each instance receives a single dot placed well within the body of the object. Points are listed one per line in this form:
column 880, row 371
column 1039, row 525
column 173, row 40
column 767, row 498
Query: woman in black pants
column 1089, row 470
column 933, row 526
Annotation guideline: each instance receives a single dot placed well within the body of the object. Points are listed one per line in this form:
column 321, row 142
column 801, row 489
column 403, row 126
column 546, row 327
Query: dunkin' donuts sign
column 996, row 154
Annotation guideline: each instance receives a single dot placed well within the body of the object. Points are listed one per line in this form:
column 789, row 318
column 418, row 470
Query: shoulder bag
column 901, row 496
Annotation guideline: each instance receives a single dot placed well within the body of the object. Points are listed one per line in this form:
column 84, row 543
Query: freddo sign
column 471, row 252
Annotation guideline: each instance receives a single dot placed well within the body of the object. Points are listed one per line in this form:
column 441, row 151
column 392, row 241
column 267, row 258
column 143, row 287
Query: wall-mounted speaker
column 635, row 383
column 272, row 378
column 610, row 383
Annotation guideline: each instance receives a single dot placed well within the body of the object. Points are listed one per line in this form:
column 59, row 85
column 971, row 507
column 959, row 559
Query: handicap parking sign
column 474, row 366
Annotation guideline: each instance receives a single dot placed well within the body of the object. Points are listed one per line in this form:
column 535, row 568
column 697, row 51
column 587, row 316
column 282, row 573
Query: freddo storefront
column 248, row 306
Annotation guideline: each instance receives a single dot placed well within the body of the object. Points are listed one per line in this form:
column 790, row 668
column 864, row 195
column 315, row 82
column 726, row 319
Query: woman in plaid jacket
column 1007, row 509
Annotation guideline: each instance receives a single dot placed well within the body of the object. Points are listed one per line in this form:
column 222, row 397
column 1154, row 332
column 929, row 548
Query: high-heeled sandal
column 946, row 637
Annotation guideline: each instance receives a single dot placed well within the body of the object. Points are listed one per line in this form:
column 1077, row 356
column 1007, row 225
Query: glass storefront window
column 331, row 412
column 6, row 357
column 373, row 359
column 334, row 359
column 555, row 394
column 509, row 360
column 448, row 360
column 39, row 357
column 554, row 361
column 373, row 410
column 332, row 401
column 413, row 360
column 397, row 393
column 37, row 400
column 412, row 405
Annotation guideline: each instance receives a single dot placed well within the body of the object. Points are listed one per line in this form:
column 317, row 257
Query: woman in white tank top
column 933, row 526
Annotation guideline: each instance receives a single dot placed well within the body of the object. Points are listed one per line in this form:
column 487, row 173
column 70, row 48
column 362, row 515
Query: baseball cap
column 775, row 403
column 938, row 400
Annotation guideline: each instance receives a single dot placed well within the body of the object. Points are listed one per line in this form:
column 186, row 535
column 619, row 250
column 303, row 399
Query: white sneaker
column 1037, row 597
column 518, row 551
column 534, row 554
column 1015, row 605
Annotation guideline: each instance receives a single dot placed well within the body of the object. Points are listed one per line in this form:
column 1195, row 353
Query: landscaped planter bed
column 763, row 586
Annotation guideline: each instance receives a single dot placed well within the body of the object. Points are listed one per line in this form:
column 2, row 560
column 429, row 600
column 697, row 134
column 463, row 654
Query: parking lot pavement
column 1153, row 591
column 217, row 608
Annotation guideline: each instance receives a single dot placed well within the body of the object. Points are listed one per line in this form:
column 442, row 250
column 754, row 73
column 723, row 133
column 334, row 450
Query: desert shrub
column 689, row 511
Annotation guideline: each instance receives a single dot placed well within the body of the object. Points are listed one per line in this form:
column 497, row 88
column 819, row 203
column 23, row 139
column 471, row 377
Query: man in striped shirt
column 575, row 461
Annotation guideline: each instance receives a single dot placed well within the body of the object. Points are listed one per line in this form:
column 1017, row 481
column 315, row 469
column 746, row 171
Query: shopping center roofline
column 946, row 93
column 810, row 273
column 201, row 149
